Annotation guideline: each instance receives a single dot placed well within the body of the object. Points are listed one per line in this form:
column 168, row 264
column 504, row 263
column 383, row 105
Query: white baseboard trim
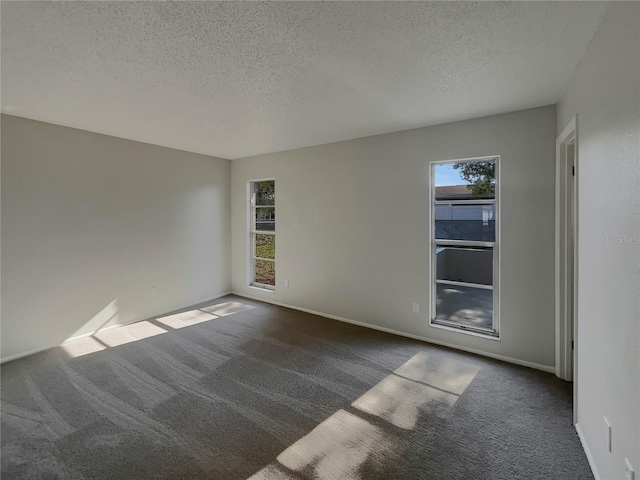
column 77, row 337
column 23, row 354
column 524, row 363
column 587, row 452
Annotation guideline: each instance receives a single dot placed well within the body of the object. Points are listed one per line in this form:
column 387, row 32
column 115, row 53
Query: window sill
column 263, row 289
column 486, row 336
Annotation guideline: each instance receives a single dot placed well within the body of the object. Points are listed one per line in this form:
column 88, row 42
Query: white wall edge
column 585, row 447
column 523, row 363
column 84, row 335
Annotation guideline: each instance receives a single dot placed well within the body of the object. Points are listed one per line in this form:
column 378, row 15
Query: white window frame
column 251, row 228
column 493, row 334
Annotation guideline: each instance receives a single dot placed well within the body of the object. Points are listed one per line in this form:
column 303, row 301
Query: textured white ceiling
column 234, row 79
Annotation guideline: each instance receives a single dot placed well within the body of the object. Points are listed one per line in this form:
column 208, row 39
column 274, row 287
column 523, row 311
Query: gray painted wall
column 342, row 260
column 92, row 223
column 605, row 94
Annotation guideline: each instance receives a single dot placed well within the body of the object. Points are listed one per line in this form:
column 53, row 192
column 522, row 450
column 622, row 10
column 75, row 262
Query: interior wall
column 605, row 94
column 98, row 230
column 353, row 228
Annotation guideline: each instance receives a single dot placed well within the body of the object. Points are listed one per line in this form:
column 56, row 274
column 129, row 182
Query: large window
column 464, row 247
column 263, row 234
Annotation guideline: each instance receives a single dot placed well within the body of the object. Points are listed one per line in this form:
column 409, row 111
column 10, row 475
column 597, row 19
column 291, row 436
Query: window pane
column 465, row 180
column 265, row 246
column 469, row 306
column 265, row 192
column 466, row 222
column 464, row 264
column 266, row 272
column 266, row 218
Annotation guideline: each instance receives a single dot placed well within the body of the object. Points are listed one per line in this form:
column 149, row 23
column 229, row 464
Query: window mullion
column 462, row 243
column 486, row 201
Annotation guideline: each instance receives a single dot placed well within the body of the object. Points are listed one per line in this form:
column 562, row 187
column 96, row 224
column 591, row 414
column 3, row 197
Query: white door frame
column 566, row 268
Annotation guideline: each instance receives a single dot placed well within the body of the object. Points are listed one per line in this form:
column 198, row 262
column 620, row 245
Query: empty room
column 320, row 240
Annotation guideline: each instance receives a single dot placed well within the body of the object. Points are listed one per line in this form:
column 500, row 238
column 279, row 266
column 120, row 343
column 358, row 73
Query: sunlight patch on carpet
column 185, row 319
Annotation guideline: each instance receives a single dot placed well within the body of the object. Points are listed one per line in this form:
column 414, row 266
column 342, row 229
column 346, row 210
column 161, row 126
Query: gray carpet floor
column 238, row 389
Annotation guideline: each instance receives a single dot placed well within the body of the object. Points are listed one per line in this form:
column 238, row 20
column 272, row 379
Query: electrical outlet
column 286, row 284
column 416, row 308
column 608, row 433
column 628, row 470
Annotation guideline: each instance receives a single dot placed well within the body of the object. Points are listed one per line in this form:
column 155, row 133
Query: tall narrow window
column 464, row 244
column 263, row 234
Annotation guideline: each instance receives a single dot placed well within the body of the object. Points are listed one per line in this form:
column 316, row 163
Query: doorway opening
column 567, row 257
